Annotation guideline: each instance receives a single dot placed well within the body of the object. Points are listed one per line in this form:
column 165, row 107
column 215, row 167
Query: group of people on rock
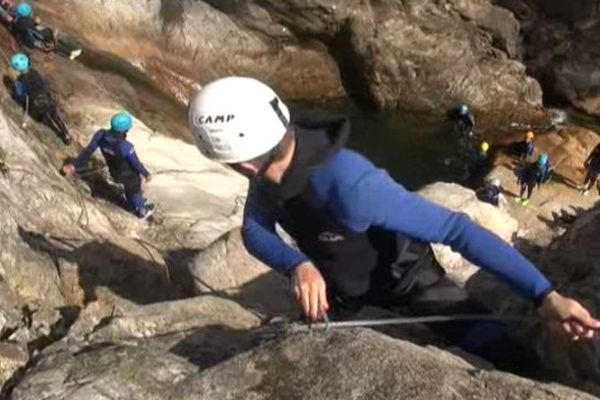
column 32, row 91
column 30, row 33
column 362, row 238
column 531, row 173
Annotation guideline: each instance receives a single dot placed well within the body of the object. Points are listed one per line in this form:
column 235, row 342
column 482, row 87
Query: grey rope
column 326, row 325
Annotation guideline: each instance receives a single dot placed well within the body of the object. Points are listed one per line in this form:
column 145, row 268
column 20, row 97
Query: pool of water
column 414, row 148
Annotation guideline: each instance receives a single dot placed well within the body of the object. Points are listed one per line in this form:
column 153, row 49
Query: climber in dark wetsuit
column 30, row 34
column 123, row 163
column 532, row 175
column 33, row 93
column 592, row 166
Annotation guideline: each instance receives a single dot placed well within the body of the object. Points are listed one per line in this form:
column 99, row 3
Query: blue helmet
column 463, row 109
column 121, row 122
column 19, row 62
column 24, row 10
column 543, row 159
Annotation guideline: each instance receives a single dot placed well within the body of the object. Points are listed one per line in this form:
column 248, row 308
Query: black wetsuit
column 593, row 168
column 31, row 90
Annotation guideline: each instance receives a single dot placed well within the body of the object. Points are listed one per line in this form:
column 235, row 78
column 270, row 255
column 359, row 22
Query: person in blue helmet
column 464, row 120
column 123, row 163
column 362, row 238
column 29, row 33
column 532, row 175
column 33, row 93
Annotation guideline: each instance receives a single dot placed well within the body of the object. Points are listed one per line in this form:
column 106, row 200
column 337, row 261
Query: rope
column 327, row 325
column 278, row 326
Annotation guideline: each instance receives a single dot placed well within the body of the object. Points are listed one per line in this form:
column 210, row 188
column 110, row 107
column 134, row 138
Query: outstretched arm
column 376, row 200
column 86, row 153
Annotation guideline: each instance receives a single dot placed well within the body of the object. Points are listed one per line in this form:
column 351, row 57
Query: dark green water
column 412, row 147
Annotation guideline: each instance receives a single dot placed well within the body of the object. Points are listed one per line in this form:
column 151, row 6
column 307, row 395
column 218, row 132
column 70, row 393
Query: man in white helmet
column 363, row 238
column 491, row 192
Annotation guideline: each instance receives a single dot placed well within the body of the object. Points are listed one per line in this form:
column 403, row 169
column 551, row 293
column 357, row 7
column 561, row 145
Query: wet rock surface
column 440, row 53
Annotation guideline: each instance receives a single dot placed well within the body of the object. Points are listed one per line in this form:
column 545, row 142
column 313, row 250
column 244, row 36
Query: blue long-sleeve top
column 107, row 141
column 360, row 196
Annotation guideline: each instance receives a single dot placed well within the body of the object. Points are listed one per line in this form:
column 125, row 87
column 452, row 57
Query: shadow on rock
column 562, row 219
column 564, row 180
column 208, row 346
column 104, row 264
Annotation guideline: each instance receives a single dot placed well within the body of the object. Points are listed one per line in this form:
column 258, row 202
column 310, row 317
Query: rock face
column 337, row 365
column 109, row 371
column 68, row 247
column 499, row 22
column 561, row 49
column 95, row 304
column 357, row 364
column 440, row 53
column 458, row 198
column 226, row 267
column 571, row 265
column 181, row 42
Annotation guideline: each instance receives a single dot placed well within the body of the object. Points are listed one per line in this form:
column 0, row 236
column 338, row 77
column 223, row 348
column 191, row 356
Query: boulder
column 560, row 49
column 179, row 43
column 226, row 267
column 376, row 51
column 104, row 371
column 174, row 316
column 390, row 48
column 13, row 357
column 498, row 21
column 460, row 199
column 357, row 364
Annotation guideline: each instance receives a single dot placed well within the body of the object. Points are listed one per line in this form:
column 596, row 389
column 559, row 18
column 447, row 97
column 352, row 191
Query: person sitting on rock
column 527, row 147
column 491, row 192
column 33, row 93
column 592, row 166
column 31, row 34
column 362, row 238
column 123, row 163
column 464, row 120
column 532, row 175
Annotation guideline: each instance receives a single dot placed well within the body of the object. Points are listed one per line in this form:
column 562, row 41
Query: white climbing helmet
column 237, row 119
column 495, row 182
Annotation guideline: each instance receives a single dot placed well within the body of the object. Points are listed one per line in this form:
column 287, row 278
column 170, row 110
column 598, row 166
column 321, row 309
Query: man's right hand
column 310, row 290
column 68, row 169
